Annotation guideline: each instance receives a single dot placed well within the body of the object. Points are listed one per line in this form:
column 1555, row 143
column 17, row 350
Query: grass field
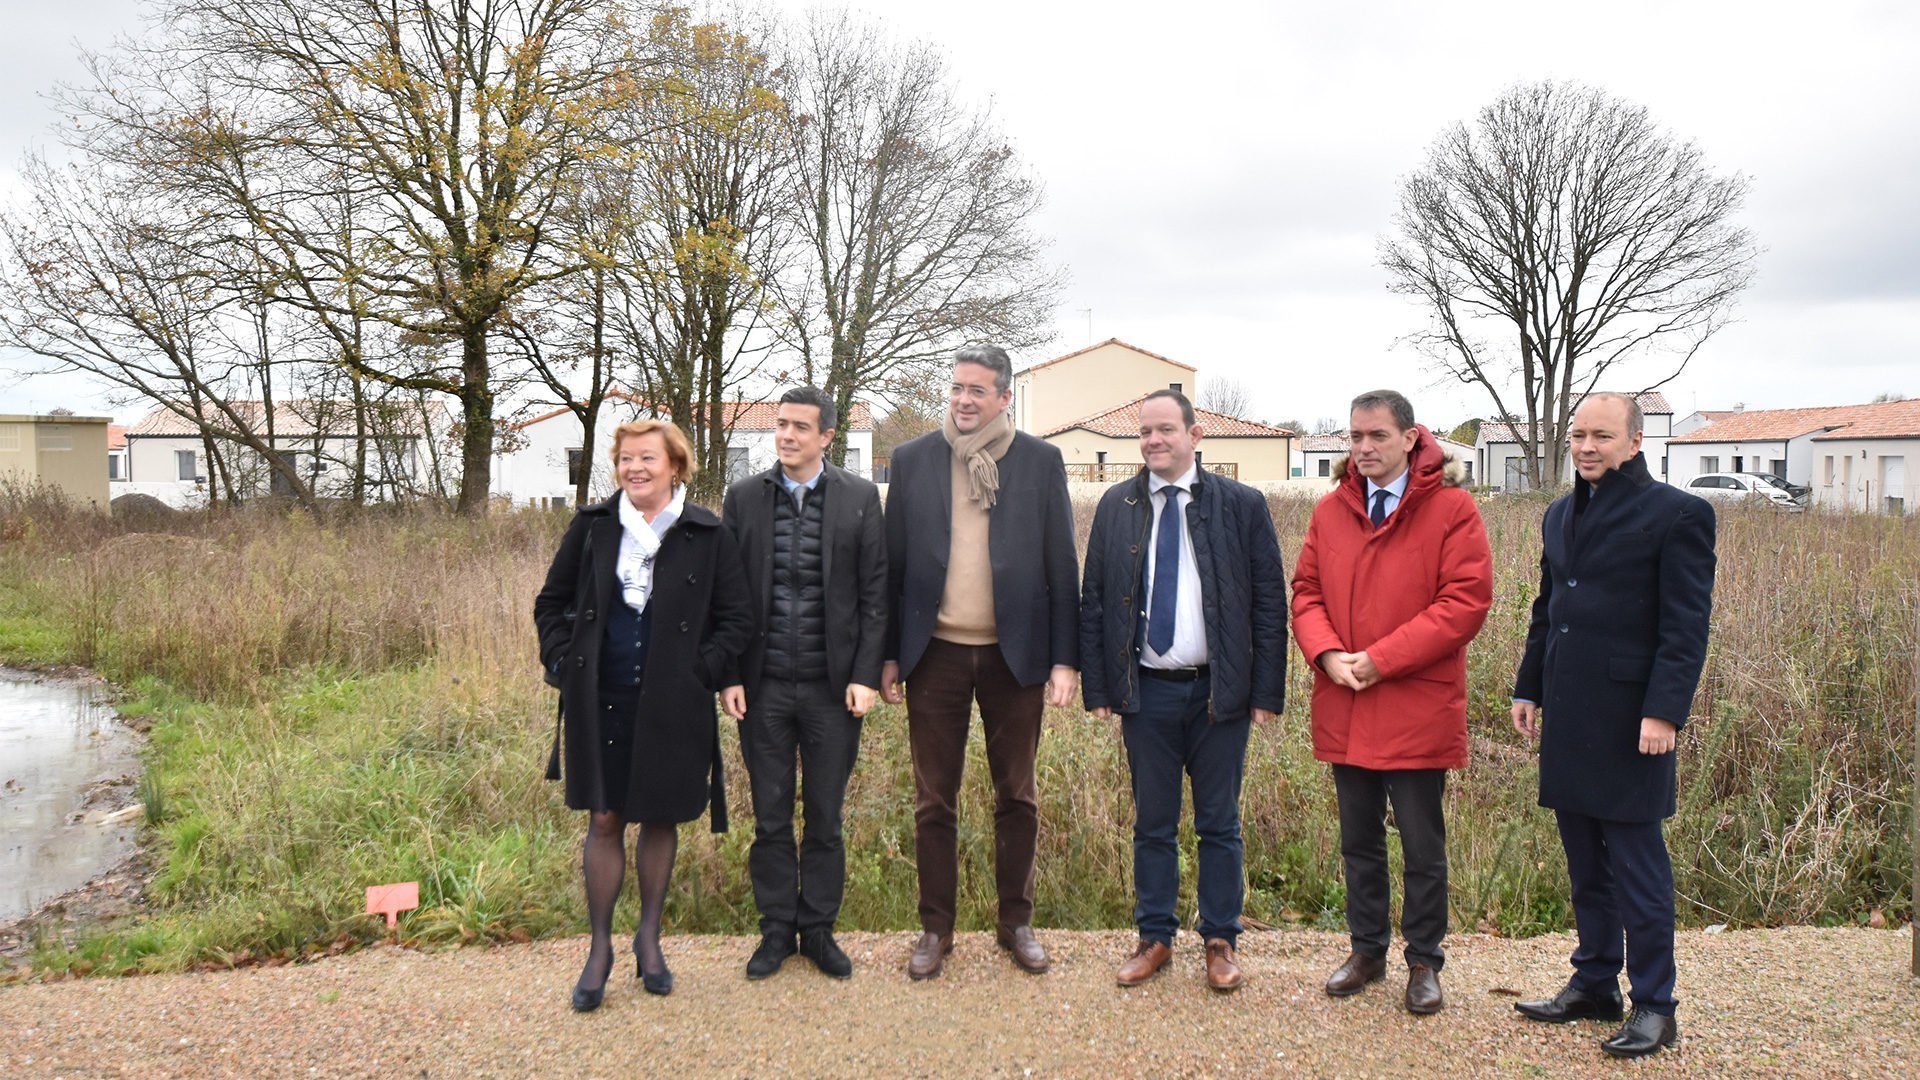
column 348, row 702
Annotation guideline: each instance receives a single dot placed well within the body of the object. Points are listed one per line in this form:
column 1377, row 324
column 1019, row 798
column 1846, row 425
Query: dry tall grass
column 339, row 703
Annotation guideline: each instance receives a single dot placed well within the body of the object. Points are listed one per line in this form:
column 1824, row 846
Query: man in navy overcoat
column 1614, row 653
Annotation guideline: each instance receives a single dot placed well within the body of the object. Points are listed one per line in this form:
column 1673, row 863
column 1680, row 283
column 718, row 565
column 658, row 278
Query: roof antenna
column 1089, row 313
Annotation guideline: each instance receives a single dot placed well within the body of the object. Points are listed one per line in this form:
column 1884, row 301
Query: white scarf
column 639, row 542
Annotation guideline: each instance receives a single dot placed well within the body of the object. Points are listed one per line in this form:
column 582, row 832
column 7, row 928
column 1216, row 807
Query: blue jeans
column 1169, row 736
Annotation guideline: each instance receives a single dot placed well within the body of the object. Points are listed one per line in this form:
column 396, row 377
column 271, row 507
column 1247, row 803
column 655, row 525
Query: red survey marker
column 391, row 900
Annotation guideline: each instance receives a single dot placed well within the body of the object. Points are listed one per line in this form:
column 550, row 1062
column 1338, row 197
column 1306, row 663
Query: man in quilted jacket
column 1183, row 633
column 1393, row 581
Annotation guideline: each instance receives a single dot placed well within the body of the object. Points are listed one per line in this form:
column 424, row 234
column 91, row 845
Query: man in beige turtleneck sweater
column 985, row 607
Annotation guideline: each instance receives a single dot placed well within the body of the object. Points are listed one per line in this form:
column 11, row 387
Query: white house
column 1318, row 453
column 538, row 460
column 166, row 457
column 1502, row 462
column 1853, row 456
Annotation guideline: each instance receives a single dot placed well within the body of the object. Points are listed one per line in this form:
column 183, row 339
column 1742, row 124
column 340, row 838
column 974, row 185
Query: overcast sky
column 1218, row 174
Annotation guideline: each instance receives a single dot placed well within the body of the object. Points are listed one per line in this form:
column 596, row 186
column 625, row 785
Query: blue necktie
column 1379, row 514
column 1166, row 574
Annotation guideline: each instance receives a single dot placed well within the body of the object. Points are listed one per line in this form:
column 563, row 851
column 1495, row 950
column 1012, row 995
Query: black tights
column 604, row 861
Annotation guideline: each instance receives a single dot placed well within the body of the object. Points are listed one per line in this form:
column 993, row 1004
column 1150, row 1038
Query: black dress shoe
column 588, row 998
column 654, row 982
column 1645, row 1032
column 773, row 951
column 1572, row 1004
column 819, row 947
column 585, row 1000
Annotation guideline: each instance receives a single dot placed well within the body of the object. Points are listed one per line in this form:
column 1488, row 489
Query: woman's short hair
column 679, row 450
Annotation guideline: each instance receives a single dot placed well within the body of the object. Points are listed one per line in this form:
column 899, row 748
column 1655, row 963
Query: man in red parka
column 1393, row 581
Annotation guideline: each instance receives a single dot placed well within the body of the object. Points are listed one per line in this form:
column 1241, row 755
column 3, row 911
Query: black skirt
column 619, row 713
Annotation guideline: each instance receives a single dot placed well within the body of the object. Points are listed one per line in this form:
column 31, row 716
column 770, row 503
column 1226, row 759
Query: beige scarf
column 981, row 451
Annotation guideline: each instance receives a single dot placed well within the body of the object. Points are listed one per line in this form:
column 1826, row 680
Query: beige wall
column 1259, row 459
column 1108, row 375
column 64, row 452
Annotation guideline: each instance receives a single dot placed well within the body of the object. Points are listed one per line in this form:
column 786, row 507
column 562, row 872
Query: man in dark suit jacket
column 984, row 605
column 1613, row 657
column 1183, row 628
column 813, row 547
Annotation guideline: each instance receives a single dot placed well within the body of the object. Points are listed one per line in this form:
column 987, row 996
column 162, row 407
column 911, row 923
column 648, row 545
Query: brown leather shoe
column 1354, row 975
column 1423, row 990
column 929, row 955
column 1028, row 956
column 1147, row 960
column 1223, row 975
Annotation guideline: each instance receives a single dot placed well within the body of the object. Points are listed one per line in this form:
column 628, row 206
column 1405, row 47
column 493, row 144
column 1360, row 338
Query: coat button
column 692, row 580
column 1572, row 582
column 1133, row 549
column 579, row 661
column 683, row 628
column 1126, row 601
column 589, row 614
column 1563, row 627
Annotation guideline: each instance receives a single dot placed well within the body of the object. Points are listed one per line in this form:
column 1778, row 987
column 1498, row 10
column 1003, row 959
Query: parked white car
column 1742, row 487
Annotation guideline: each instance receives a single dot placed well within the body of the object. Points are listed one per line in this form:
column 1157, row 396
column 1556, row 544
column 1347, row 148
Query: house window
column 1663, row 464
column 185, row 465
column 1826, row 471
column 576, row 465
column 853, row 463
column 1778, row 468
column 1100, row 456
column 1326, row 466
column 1710, row 463
column 115, row 466
column 1739, row 463
column 739, row 463
column 1174, row 386
column 56, row 439
column 9, row 438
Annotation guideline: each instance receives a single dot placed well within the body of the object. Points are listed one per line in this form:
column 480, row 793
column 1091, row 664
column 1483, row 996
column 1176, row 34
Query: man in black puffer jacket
column 815, row 556
column 1188, row 657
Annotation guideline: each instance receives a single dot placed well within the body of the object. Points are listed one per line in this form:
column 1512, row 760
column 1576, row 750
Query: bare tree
column 913, row 215
column 450, row 128
column 1558, row 236
column 1228, row 397
column 101, row 275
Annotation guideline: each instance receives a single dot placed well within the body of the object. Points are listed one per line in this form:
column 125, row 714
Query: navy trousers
column 1170, row 736
column 1622, row 892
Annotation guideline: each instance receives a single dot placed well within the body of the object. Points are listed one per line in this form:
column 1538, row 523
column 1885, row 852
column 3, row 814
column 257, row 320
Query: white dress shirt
column 1189, row 649
column 1395, row 489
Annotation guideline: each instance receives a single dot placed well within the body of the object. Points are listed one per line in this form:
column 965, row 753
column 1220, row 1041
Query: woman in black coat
column 643, row 613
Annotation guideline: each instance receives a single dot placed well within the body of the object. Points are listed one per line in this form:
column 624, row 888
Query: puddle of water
column 59, row 743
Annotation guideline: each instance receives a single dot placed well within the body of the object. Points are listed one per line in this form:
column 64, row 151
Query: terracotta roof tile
column 1880, row 420
column 1099, row 344
column 1885, row 420
column 116, row 436
column 1123, row 422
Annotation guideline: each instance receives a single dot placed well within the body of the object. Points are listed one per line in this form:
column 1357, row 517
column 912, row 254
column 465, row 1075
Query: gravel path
column 1806, row 1002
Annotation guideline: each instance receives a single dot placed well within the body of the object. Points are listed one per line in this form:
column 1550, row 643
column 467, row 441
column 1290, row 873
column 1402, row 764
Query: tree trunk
column 476, row 442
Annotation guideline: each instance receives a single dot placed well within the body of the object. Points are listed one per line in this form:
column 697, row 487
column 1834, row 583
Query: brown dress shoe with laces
column 1028, row 956
column 1423, row 990
column 1223, row 975
column 1354, row 975
column 929, row 955
column 1147, row 960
